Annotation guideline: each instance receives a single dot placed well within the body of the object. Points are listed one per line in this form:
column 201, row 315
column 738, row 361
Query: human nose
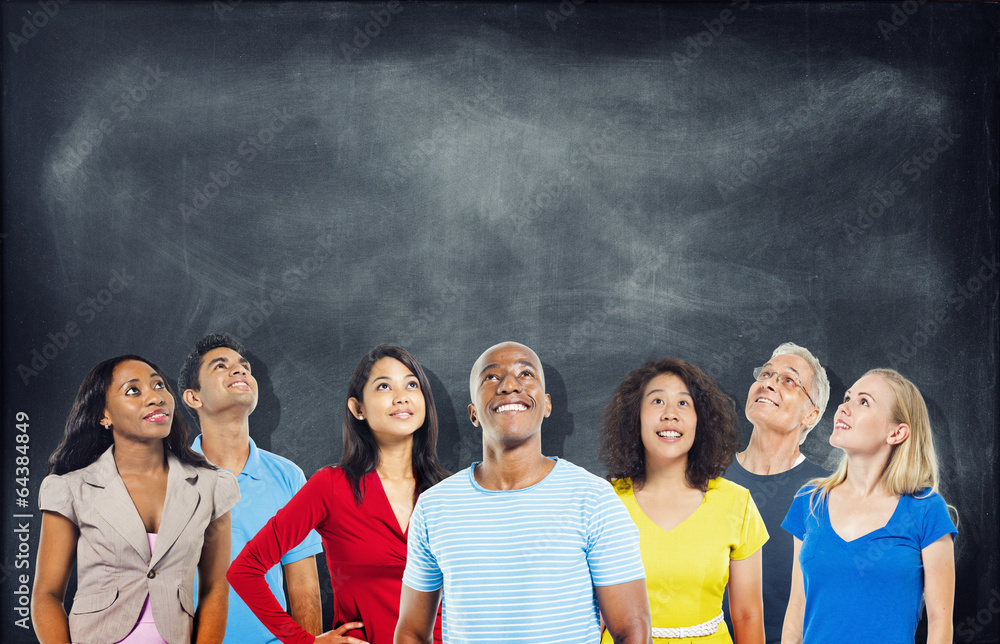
column 509, row 384
column 669, row 412
column 402, row 396
column 239, row 369
column 155, row 396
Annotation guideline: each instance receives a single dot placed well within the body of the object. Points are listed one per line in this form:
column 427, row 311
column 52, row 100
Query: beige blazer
column 115, row 569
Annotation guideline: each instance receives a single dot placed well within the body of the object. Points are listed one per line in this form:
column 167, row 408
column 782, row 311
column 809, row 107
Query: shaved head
column 483, row 361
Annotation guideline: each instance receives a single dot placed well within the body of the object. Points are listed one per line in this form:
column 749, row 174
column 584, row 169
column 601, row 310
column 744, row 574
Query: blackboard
column 606, row 183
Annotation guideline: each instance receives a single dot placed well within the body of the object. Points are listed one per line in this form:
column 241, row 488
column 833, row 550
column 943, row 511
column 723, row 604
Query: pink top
column 145, row 630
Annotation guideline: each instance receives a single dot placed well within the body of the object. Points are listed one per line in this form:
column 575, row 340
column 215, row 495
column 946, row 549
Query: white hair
column 820, row 389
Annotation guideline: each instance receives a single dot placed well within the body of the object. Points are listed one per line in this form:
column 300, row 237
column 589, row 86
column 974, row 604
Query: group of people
column 686, row 541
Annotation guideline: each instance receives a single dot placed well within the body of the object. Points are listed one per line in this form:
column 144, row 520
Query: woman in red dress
column 360, row 508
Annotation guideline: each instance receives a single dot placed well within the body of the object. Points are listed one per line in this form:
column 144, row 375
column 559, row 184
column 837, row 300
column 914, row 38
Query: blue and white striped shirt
column 521, row 565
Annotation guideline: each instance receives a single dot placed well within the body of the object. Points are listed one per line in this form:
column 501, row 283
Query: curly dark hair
column 716, row 439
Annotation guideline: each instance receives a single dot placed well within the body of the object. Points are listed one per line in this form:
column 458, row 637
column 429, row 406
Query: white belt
column 699, row 630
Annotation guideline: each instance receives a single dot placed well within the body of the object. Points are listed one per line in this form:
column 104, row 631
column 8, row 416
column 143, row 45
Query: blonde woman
column 874, row 540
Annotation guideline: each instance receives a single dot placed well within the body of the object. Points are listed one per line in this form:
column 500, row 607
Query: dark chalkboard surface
column 605, row 183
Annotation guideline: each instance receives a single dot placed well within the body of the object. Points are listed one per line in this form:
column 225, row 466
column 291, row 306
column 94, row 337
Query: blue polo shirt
column 267, row 482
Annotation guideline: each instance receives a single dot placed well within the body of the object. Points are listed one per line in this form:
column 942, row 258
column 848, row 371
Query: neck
column 664, row 477
column 140, row 458
column 770, row 452
column 513, row 468
column 225, row 441
column 864, row 475
column 395, row 459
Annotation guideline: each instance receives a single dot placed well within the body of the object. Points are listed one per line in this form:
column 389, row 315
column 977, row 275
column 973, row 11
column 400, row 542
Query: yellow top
column 687, row 568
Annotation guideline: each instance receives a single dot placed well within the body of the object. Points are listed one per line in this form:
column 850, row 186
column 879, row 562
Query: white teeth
column 511, row 407
column 767, row 401
column 668, row 433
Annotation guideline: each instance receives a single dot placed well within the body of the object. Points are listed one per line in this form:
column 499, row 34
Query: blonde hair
column 912, row 467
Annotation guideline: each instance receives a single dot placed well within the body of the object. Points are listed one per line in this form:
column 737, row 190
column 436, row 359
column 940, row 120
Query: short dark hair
column 85, row 439
column 188, row 377
column 715, row 440
column 361, row 452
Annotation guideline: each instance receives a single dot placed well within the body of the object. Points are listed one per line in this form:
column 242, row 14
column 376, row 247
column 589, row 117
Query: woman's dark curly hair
column 715, row 440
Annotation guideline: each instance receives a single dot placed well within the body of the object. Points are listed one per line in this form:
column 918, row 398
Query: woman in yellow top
column 669, row 433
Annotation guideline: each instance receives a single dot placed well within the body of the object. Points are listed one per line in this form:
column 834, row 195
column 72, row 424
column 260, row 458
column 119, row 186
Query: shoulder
column 925, row 501
column 623, row 486
column 724, row 491
column 808, row 470
column 457, row 483
column 565, row 471
column 280, row 465
column 59, row 486
column 728, row 488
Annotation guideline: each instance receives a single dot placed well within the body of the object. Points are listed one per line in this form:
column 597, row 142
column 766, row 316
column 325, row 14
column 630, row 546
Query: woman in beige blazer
column 139, row 512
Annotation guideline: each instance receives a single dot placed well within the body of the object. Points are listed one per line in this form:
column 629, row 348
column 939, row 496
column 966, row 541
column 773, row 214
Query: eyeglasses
column 786, row 381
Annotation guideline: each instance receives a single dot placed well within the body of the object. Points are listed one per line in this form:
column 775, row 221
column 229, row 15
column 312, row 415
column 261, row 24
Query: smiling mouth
column 510, row 408
column 401, row 414
column 157, row 417
column 240, row 384
column 841, row 425
column 765, row 400
column 668, row 433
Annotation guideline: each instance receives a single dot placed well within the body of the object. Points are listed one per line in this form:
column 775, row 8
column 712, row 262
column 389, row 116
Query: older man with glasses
column 785, row 402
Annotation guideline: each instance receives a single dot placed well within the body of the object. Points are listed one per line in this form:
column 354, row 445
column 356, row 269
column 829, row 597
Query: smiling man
column 218, row 387
column 786, row 400
column 524, row 548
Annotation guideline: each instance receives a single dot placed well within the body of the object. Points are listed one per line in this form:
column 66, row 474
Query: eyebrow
column 154, row 376
column 663, row 391
column 526, row 363
column 408, row 375
column 862, row 393
column 128, row 382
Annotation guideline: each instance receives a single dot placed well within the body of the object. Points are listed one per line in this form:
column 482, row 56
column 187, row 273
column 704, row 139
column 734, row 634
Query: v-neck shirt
column 365, row 554
column 868, row 589
column 687, row 567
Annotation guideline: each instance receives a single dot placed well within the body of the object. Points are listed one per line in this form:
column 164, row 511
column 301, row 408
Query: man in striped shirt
column 524, row 548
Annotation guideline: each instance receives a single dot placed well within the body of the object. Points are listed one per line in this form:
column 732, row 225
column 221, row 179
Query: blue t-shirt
column 870, row 589
column 267, row 482
column 521, row 565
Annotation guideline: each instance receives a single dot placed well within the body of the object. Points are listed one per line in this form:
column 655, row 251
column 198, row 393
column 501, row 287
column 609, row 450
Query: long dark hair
column 715, row 439
column 85, row 440
column 361, row 452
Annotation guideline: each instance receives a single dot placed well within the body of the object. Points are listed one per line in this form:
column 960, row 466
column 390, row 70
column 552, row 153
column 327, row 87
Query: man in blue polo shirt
column 217, row 386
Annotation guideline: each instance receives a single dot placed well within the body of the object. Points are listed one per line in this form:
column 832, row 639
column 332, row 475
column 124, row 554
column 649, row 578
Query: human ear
column 473, row 415
column 191, row 399
column 355, row 407
column 810, row 417
column 899, row 434
column 548, row 405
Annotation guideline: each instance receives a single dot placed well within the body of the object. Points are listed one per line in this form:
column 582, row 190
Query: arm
column 746, row 600
column 939, row 588
column 56, row 554
column 213, row 591
column 302, row 581
column 417, row 614
column 625, row 610
column 791, row 630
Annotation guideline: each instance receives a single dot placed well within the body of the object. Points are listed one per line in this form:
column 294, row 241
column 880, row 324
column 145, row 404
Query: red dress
column 365, row 553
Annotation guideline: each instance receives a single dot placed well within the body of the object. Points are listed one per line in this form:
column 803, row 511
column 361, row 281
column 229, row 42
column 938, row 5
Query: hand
column 336, row 636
